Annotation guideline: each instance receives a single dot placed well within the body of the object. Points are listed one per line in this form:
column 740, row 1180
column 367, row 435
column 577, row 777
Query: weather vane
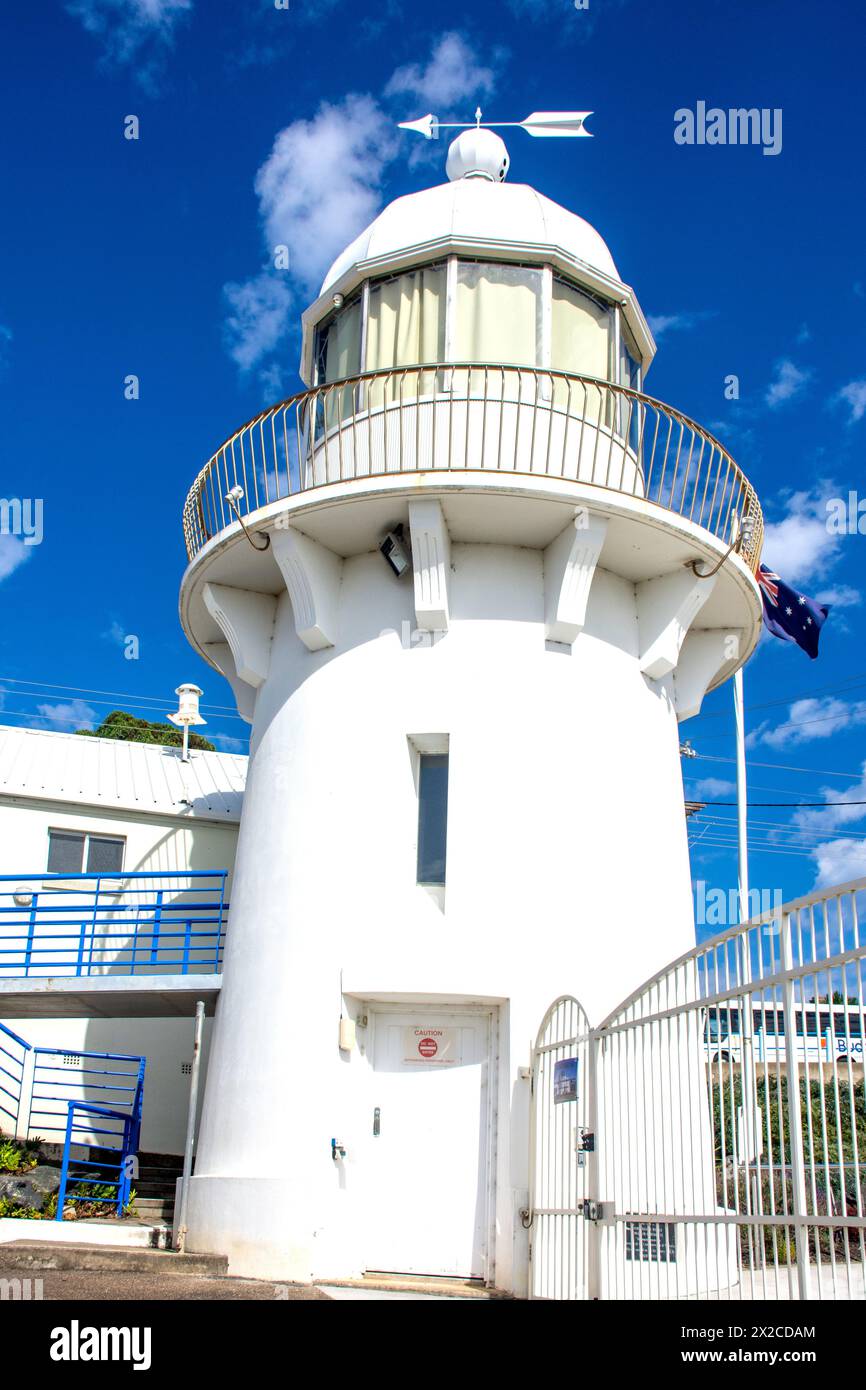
column 562, row 123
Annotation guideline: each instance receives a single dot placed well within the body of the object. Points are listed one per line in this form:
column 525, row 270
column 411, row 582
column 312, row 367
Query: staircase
column 155, row 1187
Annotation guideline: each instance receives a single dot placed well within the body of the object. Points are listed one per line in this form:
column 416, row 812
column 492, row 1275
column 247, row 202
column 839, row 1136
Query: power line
column 793, row 805
column 45, row 686
column 782, row 767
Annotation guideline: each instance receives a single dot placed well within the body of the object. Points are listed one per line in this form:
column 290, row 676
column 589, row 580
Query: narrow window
column 432, row 817
column 65, row 852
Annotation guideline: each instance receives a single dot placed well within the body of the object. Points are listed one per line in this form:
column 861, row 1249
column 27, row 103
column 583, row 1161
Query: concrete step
column 43, row 1255
column 152, row 1209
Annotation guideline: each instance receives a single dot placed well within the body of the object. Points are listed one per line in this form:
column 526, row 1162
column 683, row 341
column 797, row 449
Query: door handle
column 377, row 1115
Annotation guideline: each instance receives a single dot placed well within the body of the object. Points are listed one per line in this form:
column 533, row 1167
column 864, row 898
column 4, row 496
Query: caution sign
column 431, row 1045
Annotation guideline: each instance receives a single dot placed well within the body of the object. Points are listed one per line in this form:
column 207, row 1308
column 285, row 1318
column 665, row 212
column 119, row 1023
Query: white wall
column 567, row 871
column 153, row 844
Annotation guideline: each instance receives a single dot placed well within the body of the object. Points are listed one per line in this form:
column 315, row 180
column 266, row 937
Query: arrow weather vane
column 564, row 123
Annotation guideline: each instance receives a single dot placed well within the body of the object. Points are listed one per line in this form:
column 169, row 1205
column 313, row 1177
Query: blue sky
column 261, row 125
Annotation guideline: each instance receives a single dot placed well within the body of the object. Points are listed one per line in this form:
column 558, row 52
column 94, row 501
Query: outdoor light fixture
column 396, row 551
column 745, row 530
column 187, row 714
column 234, row 496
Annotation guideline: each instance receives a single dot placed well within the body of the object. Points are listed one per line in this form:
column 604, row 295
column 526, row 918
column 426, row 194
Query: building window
column 75, row 852
column 432, row 818
column 499, row 314
column 581, row 333
column 338, row 344
column 651, row 1240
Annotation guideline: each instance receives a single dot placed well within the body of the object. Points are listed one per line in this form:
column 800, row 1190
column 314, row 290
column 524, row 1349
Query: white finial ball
column 478, row 154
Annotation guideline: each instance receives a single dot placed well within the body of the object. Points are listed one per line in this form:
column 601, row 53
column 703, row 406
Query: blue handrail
column 137, row 923
column 127, row 1152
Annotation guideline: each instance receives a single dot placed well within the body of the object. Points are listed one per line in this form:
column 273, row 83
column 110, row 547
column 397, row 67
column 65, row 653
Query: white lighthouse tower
column 464, row 588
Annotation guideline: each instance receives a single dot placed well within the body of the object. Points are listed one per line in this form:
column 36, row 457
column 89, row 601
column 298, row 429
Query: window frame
column 87, row 837
column 618, row 337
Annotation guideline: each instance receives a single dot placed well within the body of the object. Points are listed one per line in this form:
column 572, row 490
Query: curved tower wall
column 567, row 870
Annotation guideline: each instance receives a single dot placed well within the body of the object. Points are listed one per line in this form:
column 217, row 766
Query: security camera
column 337, row 301
column 235, row 495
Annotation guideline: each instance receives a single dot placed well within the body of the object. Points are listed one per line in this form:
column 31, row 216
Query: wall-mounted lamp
column 396, row 551
column 234, row 497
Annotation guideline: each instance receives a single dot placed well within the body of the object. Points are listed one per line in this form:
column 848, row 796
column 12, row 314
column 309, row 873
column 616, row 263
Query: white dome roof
column 510, row 214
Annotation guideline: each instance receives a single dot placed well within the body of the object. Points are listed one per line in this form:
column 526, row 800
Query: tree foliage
column 118, row 724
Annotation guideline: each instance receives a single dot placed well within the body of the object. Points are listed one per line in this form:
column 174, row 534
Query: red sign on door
column 428, row 1047
column 431, row 1045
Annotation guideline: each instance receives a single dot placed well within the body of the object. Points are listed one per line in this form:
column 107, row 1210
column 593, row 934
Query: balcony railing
column 518, row 421
column 112, row 924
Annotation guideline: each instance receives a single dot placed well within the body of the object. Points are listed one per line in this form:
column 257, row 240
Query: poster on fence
column 564, row 1080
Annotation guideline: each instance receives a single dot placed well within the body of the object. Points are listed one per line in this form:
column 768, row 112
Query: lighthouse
column 465, row 588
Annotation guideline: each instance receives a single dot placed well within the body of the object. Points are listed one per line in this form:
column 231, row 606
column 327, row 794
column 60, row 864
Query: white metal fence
column 732, row 1178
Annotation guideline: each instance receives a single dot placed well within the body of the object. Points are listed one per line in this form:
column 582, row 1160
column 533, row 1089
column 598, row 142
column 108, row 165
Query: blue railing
column 112, row 924
column 86, row 1100
column 115, row 1133
column 13, row 1055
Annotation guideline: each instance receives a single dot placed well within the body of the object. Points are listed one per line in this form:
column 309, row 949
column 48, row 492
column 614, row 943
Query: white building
column 73, row 805
column 463, row 596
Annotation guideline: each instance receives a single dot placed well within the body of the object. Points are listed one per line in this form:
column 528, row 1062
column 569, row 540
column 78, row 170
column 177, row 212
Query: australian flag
column 789, row 614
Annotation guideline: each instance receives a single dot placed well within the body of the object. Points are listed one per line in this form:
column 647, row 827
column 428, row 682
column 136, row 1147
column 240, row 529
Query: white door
column 428, row 1150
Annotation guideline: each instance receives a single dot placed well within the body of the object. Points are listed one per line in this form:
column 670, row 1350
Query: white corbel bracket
column 246, row 621
column 666, row 609
column 220, row 653
column 312, row 574
column 431, row 564
column 569, row 566
column 705, row 651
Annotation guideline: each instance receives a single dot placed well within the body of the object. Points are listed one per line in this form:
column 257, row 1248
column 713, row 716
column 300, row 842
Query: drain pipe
column 190, row 1127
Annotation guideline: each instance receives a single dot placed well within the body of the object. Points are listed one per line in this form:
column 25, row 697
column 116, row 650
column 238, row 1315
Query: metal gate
column 725, row 1100
column 563, row 1076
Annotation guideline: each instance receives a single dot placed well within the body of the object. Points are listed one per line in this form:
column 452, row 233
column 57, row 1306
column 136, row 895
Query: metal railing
column 111, row 1135
column 84, row 1100
column 138, row 923
column 13, row 1059
column 737, row 1179
column 456, row 417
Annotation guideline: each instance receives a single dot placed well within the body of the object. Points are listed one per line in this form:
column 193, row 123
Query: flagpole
column 742, row 798
column 749, row 1120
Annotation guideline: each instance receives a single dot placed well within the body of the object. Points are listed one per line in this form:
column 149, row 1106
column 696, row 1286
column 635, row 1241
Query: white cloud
column 13, row 552
column 67, row 716
column 5, row 340
column 670, row 323
column 854, row 396
column 259, row 315
column 809, row 720
column 452, row 74
column 840, row 596
column 319, row 186
column 799, row 545
column 788, row 382
column 708, row 788
column 228, row 744
column 139, row 31
column 317, row 189
column 841, row 811
column 839, row 861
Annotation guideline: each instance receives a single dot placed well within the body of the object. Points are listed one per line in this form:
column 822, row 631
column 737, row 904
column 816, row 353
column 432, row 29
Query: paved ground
column 110, row 1285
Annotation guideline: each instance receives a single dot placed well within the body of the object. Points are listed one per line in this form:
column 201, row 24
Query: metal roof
column 111, row 773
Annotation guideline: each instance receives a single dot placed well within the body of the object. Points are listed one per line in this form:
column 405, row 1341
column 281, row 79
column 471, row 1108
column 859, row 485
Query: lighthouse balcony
column 470, row 424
